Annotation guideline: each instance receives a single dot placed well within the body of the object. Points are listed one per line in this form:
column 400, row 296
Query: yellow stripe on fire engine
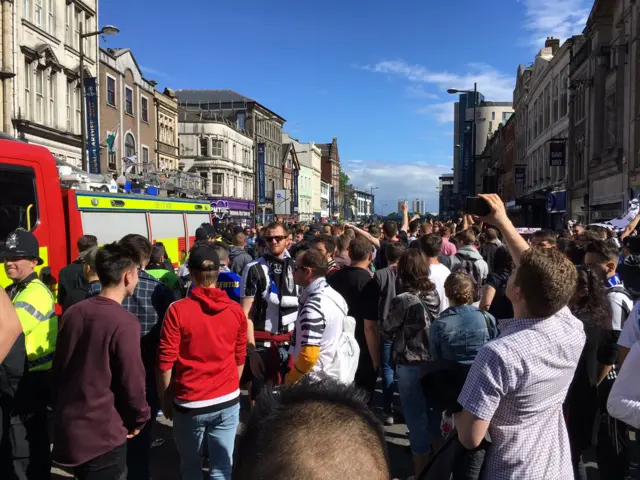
column 108, row 202
column 171, row 245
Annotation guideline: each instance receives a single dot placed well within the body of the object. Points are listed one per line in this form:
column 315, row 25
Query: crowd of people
column 518, row 354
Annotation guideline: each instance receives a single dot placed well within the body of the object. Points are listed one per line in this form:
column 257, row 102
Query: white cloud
column 152, row 71
column 396, row 181
column 416, row 91
column 494, row 85
column 555, row 18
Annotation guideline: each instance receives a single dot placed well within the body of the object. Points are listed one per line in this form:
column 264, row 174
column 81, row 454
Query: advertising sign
column 93, row 131
column 262, row 181
column 520, row 173
column 557, row 151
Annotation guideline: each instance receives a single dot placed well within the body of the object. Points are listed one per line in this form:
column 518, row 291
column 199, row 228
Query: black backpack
column 470, row 269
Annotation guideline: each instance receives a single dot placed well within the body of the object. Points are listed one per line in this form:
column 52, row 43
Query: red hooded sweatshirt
column 205, row 337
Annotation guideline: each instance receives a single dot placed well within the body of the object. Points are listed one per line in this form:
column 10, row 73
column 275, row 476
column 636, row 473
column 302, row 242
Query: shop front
column 557, row 210
column 606, row 199
column 232, row 210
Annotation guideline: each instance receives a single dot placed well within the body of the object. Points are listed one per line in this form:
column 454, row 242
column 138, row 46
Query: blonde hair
column 458, row 288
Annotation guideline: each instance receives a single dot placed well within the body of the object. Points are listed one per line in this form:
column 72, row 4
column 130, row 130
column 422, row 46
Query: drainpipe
column 7, row 64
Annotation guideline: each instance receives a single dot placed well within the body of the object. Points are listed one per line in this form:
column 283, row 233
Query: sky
column 372, row 73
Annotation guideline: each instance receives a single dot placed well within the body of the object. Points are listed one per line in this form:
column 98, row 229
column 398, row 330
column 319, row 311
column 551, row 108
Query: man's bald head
column 312, row 431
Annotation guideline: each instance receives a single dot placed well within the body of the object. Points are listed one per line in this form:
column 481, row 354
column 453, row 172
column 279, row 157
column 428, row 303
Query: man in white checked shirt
column 518, row 382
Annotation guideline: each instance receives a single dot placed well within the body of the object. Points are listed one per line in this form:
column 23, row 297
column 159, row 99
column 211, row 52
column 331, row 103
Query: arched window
column 129, row 145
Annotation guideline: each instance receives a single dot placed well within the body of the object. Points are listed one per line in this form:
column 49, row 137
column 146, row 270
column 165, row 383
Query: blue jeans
column 423, row 423
column 220, row 430
column 386, row 347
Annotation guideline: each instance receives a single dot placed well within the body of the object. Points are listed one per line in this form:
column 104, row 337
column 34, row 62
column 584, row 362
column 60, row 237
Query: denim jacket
column 459, row 332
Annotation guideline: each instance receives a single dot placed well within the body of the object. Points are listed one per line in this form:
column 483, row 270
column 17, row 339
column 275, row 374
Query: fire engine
column 32, row 198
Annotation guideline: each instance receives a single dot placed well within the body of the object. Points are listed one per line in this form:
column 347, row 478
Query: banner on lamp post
column 262, row 183
column 93, row 131
column 520, row 173
column 557, row 153
column 296, row 172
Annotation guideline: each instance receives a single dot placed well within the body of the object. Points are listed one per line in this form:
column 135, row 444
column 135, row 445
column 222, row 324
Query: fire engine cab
column 32, row 198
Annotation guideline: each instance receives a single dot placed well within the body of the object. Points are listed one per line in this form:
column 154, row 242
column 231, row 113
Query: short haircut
column 138, row 244
column 313, row 259
column 491, row 234
column 426, row 227
column 395, row 251
column 548, row 236
column 222, row 250
column 458, row 288
column 328, row 241
column 157, row 252
column 605, row 250
column 338, row 227
column 112, row 261
column 547, row 279
column 326, row 229
column 468, row 237
column 239, row 239
column 321, row 428
column 86, row 242
column 431, row 245
column 414, row 226
column 360, row 249
column 601, row 232
column 390, row 228
column 343, row 242
column 446, row 231
column 276, row 225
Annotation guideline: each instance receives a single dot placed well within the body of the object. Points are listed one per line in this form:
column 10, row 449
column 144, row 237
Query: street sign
column 557, row 151
column 520, row 173
column 282, row 202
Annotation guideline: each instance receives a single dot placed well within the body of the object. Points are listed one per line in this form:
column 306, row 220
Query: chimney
column 553, row 43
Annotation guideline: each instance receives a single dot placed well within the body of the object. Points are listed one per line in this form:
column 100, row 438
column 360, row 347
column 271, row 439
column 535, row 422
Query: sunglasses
column 278, row 239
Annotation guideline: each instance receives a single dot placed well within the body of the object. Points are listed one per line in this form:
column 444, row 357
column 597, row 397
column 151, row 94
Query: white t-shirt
column 438, row 274
column 624, row 399
column 631, row 329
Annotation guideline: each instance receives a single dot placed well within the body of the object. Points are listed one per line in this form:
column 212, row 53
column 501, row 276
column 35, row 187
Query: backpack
column 469, row 268
column 345, row 363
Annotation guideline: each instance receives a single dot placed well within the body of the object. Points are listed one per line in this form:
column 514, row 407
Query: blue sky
column 372, row 73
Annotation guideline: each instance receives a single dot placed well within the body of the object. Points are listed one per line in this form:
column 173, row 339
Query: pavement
column 165, row 462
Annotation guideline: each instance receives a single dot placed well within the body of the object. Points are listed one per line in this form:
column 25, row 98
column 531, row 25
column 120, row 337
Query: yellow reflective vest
column 35, row 306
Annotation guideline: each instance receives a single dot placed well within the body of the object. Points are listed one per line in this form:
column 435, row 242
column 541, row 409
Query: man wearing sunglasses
column 269, row 298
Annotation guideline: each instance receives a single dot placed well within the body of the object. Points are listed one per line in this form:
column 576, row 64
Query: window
column 39, row 96
column 234, row 152
column 129, row 146
column 111, row 91
column 78, row 98
column 234, row 186
column 17, row 185
column 491, row 126
column 67, row 23
column 51, row 17
column 505, row 116
column 38, row 12
column 112, row 161
column 493, row 115
column 216, row 183
column 52, row 100
column 77, row 20
column 240, row 120
column 203, row 146
column 69, row 88
column 226, row 149
column 145, row 109
column 217, row 148
column 145, row 156
column 128, row 100
column 27, row 90
column 27, row 9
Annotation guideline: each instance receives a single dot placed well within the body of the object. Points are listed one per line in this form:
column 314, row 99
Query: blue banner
column 295, row 190
column 262, row 183
column 93, row 130
column 331, row 201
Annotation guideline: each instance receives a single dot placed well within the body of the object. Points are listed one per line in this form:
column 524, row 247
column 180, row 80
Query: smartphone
column 477, row 206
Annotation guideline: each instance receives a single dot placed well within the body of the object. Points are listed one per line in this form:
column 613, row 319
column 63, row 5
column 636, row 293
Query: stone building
column 166, row 104
column 331, row 172
column 309, row 187
column 128, row 110
column 40, row 91
column 261, row 125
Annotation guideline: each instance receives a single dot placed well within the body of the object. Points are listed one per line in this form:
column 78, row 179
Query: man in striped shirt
column 320, row 320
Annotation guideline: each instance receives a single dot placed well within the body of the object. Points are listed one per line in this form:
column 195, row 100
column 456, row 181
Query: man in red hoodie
column 203, row 346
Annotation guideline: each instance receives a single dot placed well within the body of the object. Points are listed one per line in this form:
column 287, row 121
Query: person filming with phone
column 513, row 391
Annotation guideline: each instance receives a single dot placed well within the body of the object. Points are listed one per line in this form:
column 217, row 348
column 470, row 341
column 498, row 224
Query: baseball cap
column 201, row 254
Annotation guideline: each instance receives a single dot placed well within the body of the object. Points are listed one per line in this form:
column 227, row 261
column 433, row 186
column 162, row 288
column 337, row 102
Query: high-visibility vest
column 35, row 307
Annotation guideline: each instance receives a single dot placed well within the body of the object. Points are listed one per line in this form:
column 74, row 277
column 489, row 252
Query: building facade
column 310, row 156
column 462, row 143
column 254, row 120
column 331, row 172
column 41, row 91
column 291, row 178
column 363, row 204
column 219, row 153
column 325, row 196
column 305, row 194
column 166, row 104
column 417, row 206
column 127, row 109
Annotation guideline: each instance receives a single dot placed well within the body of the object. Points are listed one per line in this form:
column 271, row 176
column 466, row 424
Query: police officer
column 34, row 303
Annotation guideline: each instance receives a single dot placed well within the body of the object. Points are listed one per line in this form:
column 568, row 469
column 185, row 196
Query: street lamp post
column 454, row 91
column 106, row 30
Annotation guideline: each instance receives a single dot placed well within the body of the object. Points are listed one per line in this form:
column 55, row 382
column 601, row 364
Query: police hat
column 21, row 244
